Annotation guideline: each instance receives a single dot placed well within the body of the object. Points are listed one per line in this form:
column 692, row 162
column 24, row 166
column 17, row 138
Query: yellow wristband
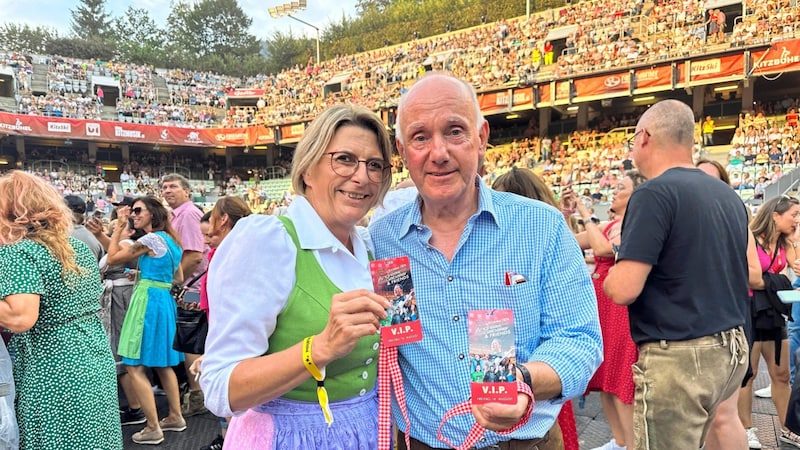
column 319, row 375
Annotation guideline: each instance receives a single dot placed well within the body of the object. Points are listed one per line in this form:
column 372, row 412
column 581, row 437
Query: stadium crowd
column 505, row 53
column 491, row 56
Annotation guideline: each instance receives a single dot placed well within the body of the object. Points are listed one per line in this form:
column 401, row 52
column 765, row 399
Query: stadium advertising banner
column 522, row 98
column 495, row 102
column 603, row 86
column 97, row 130
column 291, row 133
column 651, row 79
column 246, row 92
column 504, row 101
column 780, row 57
column 543, row 91
column 680, row 72
column 239, row 137
column 563, row 92
column 714, row 70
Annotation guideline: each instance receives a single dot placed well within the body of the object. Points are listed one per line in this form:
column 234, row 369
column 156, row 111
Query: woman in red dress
column 614, row 378
column 526, row 183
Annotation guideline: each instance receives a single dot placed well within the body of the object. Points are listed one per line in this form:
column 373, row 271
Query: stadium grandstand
column 561, row 89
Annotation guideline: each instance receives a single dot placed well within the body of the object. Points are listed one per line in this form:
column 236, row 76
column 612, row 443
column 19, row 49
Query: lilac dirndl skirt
column 290, row 424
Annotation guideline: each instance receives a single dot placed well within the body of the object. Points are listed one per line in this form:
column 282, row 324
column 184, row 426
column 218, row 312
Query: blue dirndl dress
column 149, row 327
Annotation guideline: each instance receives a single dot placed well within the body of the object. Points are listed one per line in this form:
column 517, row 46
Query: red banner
column 608, row 84
column 653, row 77
column 721, row 67
column 782, row 56
column 246, row 92
column 98, row 130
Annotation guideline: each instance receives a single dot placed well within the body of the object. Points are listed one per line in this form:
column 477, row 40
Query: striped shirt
column 555, row 310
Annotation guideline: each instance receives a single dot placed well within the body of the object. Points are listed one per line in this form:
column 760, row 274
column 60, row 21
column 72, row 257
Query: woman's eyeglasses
column 345, row 164
column 136, row 211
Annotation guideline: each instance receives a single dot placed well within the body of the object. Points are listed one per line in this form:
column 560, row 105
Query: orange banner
column 522, row 97
column 653, row 77
column 503, row 101
column 680, row 70
column 721, row 67
column 292, row 133
column 255, row 135
column 544, row 94
column 612, row 83
column 562, row 90
column 781, row 57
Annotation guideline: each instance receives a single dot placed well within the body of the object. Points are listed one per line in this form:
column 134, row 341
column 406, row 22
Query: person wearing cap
column 79, row 231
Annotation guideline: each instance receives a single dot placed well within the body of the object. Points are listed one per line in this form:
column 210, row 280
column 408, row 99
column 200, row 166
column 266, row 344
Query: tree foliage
column 90, row 20
column 22, row 38
column 212, row 27
column 138, row 39
column 212, row 35
column 285, row 50
column 81, row 48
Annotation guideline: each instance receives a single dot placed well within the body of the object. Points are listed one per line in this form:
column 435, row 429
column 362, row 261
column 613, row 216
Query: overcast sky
column 56, row 13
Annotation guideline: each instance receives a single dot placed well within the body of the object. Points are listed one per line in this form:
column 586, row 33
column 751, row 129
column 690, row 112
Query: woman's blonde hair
column 311, row 148
column 32, row 209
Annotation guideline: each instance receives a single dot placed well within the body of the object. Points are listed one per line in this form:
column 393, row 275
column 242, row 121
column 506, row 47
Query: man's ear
column 400, row 149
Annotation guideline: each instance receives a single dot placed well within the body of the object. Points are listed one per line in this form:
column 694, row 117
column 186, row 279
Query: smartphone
column 789, row 296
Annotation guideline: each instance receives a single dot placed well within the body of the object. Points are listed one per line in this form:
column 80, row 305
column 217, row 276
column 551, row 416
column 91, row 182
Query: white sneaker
column 764, row 393
column 611, row 445
column 752, row 438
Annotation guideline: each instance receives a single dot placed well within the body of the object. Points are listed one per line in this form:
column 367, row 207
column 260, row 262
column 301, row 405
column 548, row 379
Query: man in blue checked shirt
column 463, row 240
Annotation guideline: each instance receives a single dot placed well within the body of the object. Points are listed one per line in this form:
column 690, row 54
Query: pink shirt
column 186, row 221
column 777, row 265
column 203, row 286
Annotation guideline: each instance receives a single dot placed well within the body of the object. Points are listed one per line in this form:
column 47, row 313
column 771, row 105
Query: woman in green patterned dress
column 49, row 297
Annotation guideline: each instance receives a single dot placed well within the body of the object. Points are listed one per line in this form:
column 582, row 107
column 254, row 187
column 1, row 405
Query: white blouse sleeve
column 155, row 243
column 249, row 281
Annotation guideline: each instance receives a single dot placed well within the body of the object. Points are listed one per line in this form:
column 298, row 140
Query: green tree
column 23, row 38
column 80, row 48
column 285, row 50
column 138, row 39
column 90, row 19
column 210, row 27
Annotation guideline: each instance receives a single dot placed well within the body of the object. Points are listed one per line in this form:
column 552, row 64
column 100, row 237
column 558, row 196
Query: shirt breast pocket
column 514, row 296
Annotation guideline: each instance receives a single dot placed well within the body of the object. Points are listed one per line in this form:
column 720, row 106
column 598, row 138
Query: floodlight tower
column 287, row 9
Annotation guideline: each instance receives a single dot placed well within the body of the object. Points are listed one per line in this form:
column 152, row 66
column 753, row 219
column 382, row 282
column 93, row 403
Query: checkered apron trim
column 389, row 375
column 477, row 431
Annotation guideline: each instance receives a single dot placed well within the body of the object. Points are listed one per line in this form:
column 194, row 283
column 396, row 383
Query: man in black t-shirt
column 683, row 272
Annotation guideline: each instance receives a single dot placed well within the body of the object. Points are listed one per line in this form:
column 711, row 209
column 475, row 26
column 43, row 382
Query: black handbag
column 191, row 331
column 191, row 323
